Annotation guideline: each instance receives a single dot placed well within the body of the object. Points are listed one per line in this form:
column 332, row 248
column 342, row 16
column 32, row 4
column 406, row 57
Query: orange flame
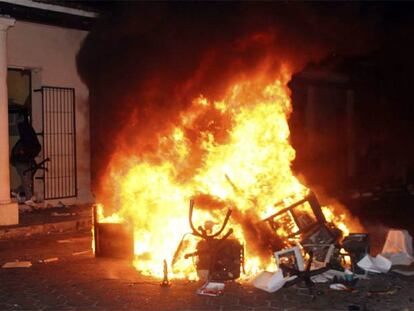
column 235, row 152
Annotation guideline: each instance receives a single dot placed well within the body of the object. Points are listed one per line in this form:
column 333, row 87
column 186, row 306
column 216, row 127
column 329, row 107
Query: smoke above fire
column 146, row 62
column 190, row 100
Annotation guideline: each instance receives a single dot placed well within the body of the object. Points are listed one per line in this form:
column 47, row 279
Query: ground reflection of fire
column 233, row 153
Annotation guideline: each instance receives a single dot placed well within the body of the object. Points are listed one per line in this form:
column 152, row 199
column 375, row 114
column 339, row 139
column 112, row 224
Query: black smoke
column 143, row 63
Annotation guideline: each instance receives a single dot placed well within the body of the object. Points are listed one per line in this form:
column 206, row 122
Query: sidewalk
column 75, row 280
column 50, row 220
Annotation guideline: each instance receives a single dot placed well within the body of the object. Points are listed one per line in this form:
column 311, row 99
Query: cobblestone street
column 78, row 281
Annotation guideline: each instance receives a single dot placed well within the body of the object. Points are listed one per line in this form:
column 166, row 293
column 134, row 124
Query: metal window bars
column 59, row 142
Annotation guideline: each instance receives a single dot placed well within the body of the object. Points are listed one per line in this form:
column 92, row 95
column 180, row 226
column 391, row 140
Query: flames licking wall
column 191, row 101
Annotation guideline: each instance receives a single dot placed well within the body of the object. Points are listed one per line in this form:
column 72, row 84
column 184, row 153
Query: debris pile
column 315, row 252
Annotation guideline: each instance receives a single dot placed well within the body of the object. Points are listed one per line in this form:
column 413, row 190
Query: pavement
column 48, row 221
column 65, row 275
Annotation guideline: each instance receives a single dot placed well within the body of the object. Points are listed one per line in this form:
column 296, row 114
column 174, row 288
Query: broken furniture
column 218, row 259
column 357, row 247
column 303, row 275
column 304, row 219
column 291, row 257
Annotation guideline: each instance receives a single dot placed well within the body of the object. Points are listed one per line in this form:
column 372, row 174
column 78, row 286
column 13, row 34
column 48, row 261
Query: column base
column 9, row 214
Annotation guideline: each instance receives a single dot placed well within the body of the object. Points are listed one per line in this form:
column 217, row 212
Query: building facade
column 38, row 75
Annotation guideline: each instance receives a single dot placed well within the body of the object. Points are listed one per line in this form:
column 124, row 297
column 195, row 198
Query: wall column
column 9, row 212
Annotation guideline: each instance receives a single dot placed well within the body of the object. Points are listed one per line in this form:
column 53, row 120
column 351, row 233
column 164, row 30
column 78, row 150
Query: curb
column 82, row 224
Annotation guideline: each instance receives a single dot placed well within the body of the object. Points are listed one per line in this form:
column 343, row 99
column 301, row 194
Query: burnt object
column 357, row 246
column 224, row 262
column 218, row 259
column 306, row 215
column 302, row 275
column 319, row 239
column 112, row 240
column 165, row 282
column 304, row 220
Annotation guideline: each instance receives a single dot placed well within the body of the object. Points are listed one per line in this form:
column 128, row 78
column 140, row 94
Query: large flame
column 233, row 153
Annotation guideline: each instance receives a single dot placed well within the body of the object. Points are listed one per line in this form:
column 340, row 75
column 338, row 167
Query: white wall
column 50, row 52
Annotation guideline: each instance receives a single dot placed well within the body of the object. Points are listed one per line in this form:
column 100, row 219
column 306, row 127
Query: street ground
column 78, row 281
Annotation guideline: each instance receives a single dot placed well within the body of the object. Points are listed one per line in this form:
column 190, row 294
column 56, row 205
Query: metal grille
column 59, row 143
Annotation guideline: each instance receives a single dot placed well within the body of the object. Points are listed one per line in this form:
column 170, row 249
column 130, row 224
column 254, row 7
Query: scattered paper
column 269, row 281
column 56, row 214
column 47, row 260
column 388, row 291
column 328, row 276
column 404, row 269
column 338, row 286
column 211, row 289
column 378, row 264
column 81, row 253
column 320, row 278
column 399, row 259
column 17, row 264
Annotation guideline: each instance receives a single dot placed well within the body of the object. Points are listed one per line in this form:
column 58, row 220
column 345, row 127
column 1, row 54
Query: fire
column 233, row 153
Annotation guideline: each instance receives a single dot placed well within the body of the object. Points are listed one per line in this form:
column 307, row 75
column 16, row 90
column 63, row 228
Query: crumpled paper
column 378, row 264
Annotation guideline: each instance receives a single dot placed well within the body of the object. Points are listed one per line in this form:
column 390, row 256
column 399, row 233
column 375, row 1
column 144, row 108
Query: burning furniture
column 357, row 247
column 304, row 220
column 218, row 259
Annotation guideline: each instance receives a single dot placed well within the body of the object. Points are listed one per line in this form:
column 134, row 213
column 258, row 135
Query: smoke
column 146, row 62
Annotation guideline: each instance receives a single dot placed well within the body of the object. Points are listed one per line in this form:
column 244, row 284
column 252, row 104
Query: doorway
column 19, row 102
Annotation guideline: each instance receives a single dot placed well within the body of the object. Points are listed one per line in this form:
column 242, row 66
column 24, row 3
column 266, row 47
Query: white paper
column 327, row 276
column 399, row 259
column 378, row 264
column 338, row 286
column 211, row 289
column 17, row 264
column 269, row 281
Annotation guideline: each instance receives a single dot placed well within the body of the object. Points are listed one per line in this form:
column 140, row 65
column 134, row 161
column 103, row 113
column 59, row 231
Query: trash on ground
column 357, row 246
column 62, row 214
column 399, row 259
column 320, row 278
column 269, row 281
column 17, row 264
column 60, row 204
column 404, row 270
column 388, row 291
column 398, row 247
column 81, row 253
column 340, row 286
column 328, row 276
column 25, row 208
column 349, row 282
column 211, row 289
column 378, row 264
column 47, row 260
